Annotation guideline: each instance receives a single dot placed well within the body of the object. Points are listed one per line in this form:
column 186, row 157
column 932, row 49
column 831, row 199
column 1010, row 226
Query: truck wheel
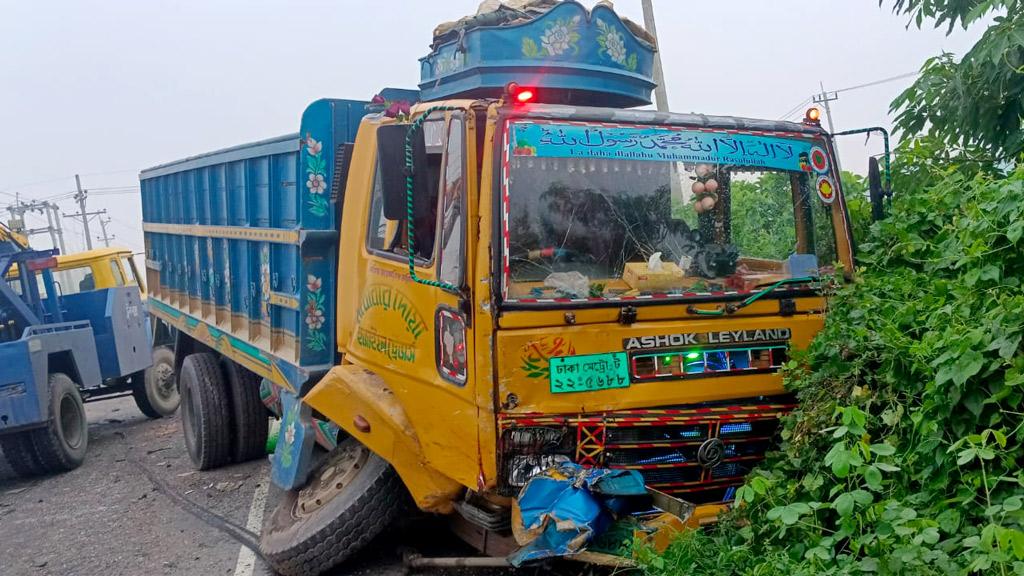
column 21, row 454
column 205, row 415
column 154, row 390
column 61, row 444
column 249, row 415
column 352, row 497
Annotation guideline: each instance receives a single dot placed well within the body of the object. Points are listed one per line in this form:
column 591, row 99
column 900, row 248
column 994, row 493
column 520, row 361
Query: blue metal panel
column 20, row 401
column 222, row 276
column 118, row 326
column 218, row 194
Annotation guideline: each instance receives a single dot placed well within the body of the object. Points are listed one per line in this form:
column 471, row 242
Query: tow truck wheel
column 205, row 414
column 21, row 454
column 249, row 415
column 351, row 498
column 154, row 390
column 62, row 443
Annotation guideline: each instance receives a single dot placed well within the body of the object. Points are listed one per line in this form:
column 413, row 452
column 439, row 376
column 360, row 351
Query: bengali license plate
column 589, row 372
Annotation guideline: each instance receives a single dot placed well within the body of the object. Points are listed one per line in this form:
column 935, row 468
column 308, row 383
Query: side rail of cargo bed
column 285, row 374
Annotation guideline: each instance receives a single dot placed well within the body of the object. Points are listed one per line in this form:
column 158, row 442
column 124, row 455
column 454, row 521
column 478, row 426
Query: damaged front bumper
column 592, row 514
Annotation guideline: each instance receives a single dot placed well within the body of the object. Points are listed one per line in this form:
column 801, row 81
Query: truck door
column 409, row 328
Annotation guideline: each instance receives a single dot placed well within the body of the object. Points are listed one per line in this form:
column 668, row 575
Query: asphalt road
column 136, row 507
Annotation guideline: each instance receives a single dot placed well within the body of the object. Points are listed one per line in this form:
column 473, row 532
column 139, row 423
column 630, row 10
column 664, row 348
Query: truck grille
column 698, row 453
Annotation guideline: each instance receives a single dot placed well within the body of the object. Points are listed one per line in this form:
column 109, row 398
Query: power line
column 877, row 82
column 48, row 181
column 796, row 108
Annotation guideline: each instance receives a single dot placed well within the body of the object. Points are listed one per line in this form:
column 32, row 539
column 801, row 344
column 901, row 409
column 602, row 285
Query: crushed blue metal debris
column 562, row 510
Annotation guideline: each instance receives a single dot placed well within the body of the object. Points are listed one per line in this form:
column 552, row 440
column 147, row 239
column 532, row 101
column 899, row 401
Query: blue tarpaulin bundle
column 561, row 510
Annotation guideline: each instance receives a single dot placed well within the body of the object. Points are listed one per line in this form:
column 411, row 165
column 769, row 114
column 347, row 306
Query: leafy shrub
column 905, row 455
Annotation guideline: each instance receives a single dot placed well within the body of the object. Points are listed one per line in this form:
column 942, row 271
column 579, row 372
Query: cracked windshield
column 606, row 212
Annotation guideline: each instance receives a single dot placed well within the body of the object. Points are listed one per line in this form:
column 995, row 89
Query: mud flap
column 293, row 457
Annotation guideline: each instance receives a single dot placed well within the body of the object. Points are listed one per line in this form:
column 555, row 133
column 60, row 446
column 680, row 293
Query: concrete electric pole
column 80, row 198
column 660, row 94
column 103, row 226
column 17, row 222
column 824, row 98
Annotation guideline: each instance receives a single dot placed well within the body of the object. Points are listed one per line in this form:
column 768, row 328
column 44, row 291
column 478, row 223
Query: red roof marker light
column 520, row 94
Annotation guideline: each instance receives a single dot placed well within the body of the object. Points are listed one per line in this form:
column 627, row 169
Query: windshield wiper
column 732, row 308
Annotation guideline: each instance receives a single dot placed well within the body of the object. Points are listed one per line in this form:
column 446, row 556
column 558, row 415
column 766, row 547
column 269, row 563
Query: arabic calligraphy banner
column 660, row 144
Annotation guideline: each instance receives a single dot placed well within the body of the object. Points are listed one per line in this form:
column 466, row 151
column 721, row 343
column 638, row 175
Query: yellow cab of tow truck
column 93, row 270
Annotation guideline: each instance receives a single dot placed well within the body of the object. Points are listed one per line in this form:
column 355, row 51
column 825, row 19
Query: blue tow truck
column 55, row 350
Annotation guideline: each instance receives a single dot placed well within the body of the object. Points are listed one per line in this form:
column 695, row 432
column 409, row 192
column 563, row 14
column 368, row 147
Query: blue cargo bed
column 241, row 245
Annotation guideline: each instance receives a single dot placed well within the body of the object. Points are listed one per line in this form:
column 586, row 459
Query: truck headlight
column 526, row 451
column 522, row 468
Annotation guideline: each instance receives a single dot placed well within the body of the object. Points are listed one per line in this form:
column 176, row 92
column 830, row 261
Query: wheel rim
column 163, row 379
column 71, row 419
column 342, row 467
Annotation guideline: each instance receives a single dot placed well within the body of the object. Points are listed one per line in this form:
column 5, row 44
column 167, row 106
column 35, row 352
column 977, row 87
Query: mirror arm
column 885, row 140
column 409, row 187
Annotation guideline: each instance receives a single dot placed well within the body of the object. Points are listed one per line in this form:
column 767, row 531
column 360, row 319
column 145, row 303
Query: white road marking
column 246, row 557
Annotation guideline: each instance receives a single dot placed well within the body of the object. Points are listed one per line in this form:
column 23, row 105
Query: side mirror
column 875, row 191
column 393, row 169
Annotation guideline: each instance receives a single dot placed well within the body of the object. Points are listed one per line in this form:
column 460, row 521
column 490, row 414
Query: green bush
column 905, row 456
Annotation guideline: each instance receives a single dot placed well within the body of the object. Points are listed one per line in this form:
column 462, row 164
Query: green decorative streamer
column 417, row 125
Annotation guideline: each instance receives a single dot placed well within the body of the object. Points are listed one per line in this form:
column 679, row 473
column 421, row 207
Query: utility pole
column 80, row 198
column 17, row 222
column 824, row 98
column 49, row 225
column 660, row 94
column 677, row 190
column 103, row 226
column 58, row 229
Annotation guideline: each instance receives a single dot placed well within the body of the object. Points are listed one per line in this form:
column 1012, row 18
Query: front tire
column 351, row 498
column 205, row 415
column 155, row 391
column 61, row 445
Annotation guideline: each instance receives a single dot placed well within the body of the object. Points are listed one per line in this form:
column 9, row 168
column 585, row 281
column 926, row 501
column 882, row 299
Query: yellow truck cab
column 99, row 268
column 444, row 298
column 93, row 270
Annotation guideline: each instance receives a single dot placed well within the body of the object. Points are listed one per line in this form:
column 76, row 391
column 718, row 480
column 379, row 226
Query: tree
column 978, row 101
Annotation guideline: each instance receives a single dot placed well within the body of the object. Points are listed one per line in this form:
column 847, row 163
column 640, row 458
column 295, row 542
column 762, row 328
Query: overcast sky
column 105, row 88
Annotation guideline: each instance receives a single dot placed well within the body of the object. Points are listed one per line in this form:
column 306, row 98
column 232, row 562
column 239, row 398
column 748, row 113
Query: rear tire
column 205, row 414
column 249, row 415
column 21, row 454
column 155, row 391
column 351, row 498
column 61, row 445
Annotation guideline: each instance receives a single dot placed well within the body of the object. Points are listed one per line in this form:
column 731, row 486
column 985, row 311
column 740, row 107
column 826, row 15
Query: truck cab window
column 129, row 268
column 115, row 271
column 452, row 213
column 390, row 236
